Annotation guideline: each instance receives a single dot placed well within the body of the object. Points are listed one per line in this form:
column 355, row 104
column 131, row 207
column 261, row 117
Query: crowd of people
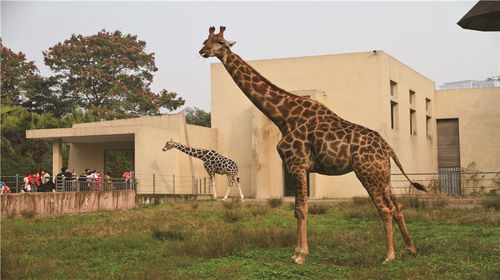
column 38, row 182
column 87, row 180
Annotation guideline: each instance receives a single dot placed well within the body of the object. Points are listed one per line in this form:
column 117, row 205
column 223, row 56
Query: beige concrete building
column 369, row 88
column 146, row 137
column 477, row 113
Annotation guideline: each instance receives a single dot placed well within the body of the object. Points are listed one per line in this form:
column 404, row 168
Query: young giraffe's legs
column 229, row 185
column 237, row 180
column 212, row 182
column 299, row 177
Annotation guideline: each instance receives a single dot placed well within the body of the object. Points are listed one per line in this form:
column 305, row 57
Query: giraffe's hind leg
column 376, row 183
column 237, row 180
column 398, row 216
column 229, row 184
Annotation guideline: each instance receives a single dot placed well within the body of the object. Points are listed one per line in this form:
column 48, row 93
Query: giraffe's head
column 215, row 45
column 169, row 145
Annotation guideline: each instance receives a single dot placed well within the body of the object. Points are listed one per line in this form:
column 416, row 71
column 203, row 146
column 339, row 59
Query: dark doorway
column 117, row 162
column 448, row 144
column 289, row 187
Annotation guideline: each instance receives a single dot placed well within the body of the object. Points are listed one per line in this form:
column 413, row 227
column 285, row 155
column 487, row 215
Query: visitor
column 46, row 182
column 27, row 183
column 65, row 175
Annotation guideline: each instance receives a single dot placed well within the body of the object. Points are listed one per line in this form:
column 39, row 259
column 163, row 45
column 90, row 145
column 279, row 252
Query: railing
column 82, row 185
column 78, row 183
column 449, row 182
column 457, row 183
column 173, row 184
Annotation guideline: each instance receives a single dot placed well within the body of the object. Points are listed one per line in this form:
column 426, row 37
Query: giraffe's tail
column 396, row 160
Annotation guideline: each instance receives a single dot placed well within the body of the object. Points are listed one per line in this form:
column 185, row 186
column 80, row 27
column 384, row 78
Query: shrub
column 361, row 201
column 290, row 206
column 275, row 202
column 233, row 215
column 493, row 203
column 233, row 204
column 259, row 211
column 413, row 202
column 28, row 214
column 194, row 205
column 170, row 234
column 318, row 209
column 439, row 202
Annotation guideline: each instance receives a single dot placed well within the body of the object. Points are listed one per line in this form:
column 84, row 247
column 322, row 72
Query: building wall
column 168, row 170
column 355, row 86
column 478, row 113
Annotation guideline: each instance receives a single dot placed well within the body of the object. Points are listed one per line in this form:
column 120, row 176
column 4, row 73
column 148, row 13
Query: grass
column 275, row 202
column 179, row 241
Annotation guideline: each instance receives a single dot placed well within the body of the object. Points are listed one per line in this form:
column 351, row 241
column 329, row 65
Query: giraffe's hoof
column 388, row 260
column 299, row 259
column 412, row 251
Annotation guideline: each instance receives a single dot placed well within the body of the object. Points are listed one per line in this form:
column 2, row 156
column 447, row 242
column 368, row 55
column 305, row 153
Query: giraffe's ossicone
column 314, row 139
column 214, row 163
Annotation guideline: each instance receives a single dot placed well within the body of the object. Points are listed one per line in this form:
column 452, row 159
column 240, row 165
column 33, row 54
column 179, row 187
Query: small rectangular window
column 393, row 88
column 412, row 97
column 394, row 114
column 413, row 122
column 427, row 125
column 427, row 104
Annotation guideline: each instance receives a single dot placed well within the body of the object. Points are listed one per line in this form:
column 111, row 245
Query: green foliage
column 318, row 209
column 116, row 162
column 18, row 76
column 109, row 74
column 233, row 215
column 275, row 202
column 28, row 214
column 233, row 204
column 492, row 202
column 199, row 117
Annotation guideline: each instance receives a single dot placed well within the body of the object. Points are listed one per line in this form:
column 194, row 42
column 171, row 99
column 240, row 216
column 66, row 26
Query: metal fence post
column 132, row 177
column 205, row 185
column 17, row 183
column 192, row 185
column 173, row 183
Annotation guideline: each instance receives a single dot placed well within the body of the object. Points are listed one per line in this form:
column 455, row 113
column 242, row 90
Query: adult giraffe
column 314, row 139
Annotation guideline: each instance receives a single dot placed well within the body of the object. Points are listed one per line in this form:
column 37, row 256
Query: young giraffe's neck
column 273, row 101
column 197, row 153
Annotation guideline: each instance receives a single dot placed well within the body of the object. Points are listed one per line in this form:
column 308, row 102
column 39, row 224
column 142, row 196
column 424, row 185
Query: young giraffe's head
column 169, row 145
column 215, row 45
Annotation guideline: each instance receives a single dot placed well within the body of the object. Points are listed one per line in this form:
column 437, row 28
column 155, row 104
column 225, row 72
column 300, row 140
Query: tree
column 18, row 76
column 199, row 117
column 20, row 155
column 109, row 74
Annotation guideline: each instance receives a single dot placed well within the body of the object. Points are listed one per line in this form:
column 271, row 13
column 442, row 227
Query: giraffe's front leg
column 212, row 182
column 299, row 178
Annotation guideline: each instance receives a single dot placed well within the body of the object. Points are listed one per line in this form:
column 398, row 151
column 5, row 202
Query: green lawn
column 204, row 240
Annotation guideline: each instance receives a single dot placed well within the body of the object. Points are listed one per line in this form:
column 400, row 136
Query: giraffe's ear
column 231, row 43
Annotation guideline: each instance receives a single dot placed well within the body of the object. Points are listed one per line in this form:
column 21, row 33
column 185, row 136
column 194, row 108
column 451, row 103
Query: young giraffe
column 214, row 163
column 314, row 139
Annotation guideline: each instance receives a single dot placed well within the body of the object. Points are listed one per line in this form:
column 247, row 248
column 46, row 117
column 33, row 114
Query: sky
column 423, row 35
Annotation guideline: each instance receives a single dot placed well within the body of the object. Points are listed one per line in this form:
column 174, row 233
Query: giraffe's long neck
column 197, row 153
column 273, row 101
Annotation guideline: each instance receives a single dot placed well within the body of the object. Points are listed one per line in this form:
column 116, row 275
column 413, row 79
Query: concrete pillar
column 56, row 157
